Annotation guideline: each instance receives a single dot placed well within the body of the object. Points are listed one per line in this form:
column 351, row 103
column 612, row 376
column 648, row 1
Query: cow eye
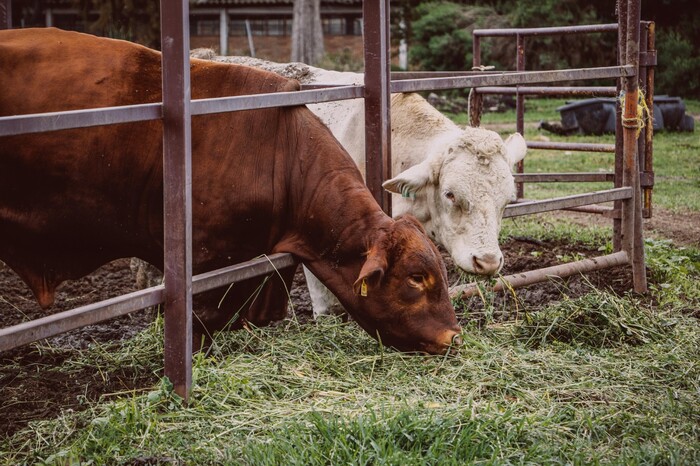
column 416, row 280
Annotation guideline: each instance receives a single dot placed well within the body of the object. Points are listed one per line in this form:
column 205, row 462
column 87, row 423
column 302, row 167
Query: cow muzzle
column 447, row 343
column 487, row 264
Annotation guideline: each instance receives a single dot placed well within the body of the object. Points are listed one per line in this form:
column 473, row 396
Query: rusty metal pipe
column 576, row 200
column 563, row 177
column 593, row 91
column 377, row 100
column 573, row 146
column 541, row 275
column 512, row 78
column 631, row 209
column 556, row 30
column 648, row 165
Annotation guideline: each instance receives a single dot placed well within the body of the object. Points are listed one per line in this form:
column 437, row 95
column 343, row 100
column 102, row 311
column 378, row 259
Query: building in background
column 260, row 28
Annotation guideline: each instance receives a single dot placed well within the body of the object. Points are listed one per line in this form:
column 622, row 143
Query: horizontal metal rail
column 243, row 271
column 404, row 75
column 545, row 31
column 572, row 146
column 558, row 203
column 55, row 324
column 563, row 177
column 593, row 91
column 279, row 99
column 512, row 78
column 54, row 121
column 592, row 209
column 540, row 275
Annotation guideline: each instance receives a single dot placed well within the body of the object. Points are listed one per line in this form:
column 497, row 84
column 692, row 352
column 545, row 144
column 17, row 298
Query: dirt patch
column 682, row 228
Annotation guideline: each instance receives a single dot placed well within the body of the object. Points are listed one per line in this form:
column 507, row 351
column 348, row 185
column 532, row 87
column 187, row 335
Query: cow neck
column 336, row 219
column 341, row 216
column 407, row 109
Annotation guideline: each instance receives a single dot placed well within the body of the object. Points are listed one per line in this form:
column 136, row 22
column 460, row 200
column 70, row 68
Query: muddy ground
column 30, row 392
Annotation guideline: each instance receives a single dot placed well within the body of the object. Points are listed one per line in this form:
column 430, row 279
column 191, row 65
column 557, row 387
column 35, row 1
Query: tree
column 307, row 32
column 134, row 20
column 442, row 37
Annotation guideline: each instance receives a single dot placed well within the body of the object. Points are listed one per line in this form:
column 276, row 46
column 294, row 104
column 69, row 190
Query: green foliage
column 442, row 35
column 133, row 20
column 563, row 51
column 438, row 32
column 678, row 70
column 675, row 272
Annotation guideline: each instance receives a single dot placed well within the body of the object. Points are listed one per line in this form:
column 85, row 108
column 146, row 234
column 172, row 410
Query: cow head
column 400, row 294
column 459, row 193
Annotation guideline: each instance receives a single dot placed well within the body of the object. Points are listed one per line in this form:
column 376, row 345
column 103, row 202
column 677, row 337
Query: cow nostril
column 457, row 340
column 488, row 264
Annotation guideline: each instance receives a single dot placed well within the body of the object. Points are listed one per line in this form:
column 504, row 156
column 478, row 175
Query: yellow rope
column 643, row 116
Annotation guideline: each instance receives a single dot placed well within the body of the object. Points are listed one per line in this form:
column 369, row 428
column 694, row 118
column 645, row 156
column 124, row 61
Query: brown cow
column 264, row 181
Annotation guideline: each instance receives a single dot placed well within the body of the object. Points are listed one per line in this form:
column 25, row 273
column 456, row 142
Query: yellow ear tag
column 363, row 288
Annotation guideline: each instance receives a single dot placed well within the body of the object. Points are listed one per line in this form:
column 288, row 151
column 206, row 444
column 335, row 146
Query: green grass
column 676, row 167
column 600, row 379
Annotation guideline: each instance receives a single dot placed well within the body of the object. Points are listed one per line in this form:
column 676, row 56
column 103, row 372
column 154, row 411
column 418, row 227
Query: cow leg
column 271, row 304
column 324, row 302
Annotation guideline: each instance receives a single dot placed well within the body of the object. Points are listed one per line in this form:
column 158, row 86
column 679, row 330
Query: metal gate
column 176, row 112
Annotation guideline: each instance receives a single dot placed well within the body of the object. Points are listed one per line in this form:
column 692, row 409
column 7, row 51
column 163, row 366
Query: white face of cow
column 461, row 191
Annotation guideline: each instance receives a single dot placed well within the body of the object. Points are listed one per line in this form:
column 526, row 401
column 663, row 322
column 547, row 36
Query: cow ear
column 371, row 273
column 516, row 148
column 410, row 181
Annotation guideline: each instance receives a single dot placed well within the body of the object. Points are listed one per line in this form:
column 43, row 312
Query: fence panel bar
column 55, row 324
column 520, row 107
column 582, row 91
column 54, row 121
column 563, row 177
column 512, row 78
column 540, row 275
column 545, row 31
column 377, row 100
column 177, row 180
column 574, row 146
column 632, row 239
column 648, row 76
column 576, row 200
column 277, row 99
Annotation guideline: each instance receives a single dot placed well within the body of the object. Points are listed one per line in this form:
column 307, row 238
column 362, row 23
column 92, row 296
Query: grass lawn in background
column 676, row 156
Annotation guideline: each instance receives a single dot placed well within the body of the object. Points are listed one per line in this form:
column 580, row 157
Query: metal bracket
column 647, row 58
column 612, row 213
column 646, row 179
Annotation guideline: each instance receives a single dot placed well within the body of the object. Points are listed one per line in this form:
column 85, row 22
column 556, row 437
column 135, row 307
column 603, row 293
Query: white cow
column 456, row 181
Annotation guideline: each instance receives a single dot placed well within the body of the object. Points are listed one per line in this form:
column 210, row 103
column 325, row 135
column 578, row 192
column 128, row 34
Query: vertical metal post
column 619, row 138
column 223, row 31
column 377, row 99
column 5, row 14
column 177, row 193
column 475, row 99
column 520, row 110
column 632, row 236
column 642, row 84
column 648, row 162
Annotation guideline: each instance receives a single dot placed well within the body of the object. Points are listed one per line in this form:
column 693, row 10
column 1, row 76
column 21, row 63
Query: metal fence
column 176, row 112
